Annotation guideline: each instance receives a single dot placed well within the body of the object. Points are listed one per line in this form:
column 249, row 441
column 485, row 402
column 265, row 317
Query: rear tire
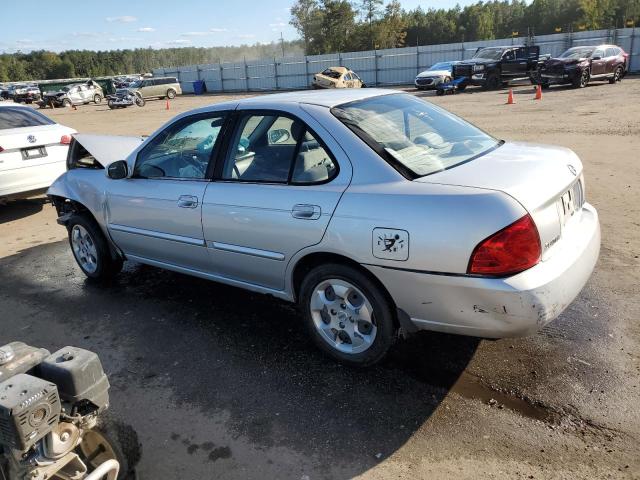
column 97, row 99
column 617, row 75
column 66, row 103
column 90, row 248
column 348, row 315
column 171, row 94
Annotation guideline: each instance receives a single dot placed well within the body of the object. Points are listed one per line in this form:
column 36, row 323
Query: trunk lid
column 545, row 180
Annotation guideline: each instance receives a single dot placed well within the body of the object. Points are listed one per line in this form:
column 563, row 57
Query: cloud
column 247, row 35
column 218, row 30
column 277, row 24
column 146, row 29
column 122, row 19
column 195, row 34
column 24, row 41
column 86, row 34
column 180, row 41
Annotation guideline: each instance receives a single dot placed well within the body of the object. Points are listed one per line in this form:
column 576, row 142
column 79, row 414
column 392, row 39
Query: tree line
column 43, row 65
column 340, row 25
column 327, row 26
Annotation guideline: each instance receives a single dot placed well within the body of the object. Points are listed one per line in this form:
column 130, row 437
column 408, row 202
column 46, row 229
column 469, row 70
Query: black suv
column 492, row 67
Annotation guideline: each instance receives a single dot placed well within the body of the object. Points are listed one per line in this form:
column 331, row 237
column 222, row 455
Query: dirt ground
column 221, row 383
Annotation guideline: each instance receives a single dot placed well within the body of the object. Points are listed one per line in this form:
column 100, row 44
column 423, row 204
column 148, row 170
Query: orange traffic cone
column 510, row 100
column 167, row 107
column 539, row 93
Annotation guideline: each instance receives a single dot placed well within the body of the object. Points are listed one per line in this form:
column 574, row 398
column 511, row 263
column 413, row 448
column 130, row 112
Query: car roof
column 326, row 98
column 338, row 69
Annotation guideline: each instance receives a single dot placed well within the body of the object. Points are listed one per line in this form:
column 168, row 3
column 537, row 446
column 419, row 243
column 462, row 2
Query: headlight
column 478, row 68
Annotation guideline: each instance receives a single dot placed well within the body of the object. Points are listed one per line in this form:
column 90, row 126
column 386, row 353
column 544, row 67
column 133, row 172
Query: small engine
column 48, row 402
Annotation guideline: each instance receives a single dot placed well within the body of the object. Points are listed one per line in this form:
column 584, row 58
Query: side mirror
column 597, row 58
column 117, row 170
column 279, row 136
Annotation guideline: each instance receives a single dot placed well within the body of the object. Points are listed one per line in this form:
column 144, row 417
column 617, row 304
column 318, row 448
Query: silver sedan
column 373, row 210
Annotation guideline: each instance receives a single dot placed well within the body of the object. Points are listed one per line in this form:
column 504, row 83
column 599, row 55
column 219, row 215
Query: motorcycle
column 53, row 421
column 125, row 99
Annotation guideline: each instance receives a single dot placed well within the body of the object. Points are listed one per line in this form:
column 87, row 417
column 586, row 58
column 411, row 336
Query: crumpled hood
column 107, row 149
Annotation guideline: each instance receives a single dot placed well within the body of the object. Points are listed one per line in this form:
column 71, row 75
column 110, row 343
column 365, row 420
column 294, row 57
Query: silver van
column 157, row 87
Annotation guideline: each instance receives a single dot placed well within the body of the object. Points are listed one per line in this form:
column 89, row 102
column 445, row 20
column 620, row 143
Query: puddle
column 472, row 387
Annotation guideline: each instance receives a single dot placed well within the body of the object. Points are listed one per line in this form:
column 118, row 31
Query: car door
column 511, row 67
column 154, row 216
column 270, row 200
column 598, row 62
column 74, row 95
column 146, row 88
column 611, row 60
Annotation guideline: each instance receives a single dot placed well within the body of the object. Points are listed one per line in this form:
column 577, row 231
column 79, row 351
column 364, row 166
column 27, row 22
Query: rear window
column 19, row 117
column 414, row 136
column 331, row 73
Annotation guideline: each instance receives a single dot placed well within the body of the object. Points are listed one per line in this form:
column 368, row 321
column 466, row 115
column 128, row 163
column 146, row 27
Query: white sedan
column 33, row 150
column 435, row 75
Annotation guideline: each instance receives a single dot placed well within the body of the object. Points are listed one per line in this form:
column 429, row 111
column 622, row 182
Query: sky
column 157, row 24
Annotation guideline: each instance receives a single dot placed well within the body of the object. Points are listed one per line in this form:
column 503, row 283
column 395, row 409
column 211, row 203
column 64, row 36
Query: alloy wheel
column 84, row 248
column 343, row 316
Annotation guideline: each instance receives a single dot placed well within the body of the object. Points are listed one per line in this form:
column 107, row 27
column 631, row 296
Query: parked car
column 372, row 209
column 337, row 77
column 492, row 67
column 436, row 74
column 158, row 87
column 33, row 150
column 17, row 89
column 4, row 92
column 76, row 94
column 579, row 65
column 30, row 94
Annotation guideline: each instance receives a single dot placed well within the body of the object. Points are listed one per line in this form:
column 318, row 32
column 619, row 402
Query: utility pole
column 282, row 44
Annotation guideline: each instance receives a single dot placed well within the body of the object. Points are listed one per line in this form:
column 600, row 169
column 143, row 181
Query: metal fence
column 397, row 66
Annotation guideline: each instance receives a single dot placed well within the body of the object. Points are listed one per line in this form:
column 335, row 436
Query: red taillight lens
column 511, row 250
column 1, row 149
column 65, row 140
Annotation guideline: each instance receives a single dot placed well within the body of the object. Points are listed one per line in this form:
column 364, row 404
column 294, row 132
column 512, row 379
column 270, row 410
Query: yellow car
column 337, row 77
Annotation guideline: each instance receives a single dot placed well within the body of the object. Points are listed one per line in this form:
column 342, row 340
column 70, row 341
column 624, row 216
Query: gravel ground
column 222, row 383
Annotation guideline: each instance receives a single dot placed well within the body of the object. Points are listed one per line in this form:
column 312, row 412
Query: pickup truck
column 492, row 67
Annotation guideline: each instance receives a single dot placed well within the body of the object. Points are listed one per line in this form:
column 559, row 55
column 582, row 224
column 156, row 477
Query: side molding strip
column 152, row 233
column 255, row 252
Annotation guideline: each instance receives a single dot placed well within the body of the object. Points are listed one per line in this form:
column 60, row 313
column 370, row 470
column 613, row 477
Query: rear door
column 598, row 62
column 155, row 215
column 611, row 59
column 270, row 200
column 510, row 64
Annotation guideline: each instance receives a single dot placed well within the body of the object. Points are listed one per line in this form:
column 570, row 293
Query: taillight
column 65, row 140
column 1, row 149
column 512, row 250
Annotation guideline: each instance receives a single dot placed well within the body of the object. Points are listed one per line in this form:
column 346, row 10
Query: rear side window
column 20, row 117
column 611, row 52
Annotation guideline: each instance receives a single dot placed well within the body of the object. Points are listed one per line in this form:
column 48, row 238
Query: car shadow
column 236, row 353
column 12, row 210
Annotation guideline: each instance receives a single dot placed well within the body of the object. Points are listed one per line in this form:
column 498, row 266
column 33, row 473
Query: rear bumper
column 500, row 307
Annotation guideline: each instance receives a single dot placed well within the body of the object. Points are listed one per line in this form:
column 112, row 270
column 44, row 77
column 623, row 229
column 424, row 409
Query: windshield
column 441, row 66
column 331, row 73
column 416, row 137
column 135, row 84
column 578, row 52
column 489, row 53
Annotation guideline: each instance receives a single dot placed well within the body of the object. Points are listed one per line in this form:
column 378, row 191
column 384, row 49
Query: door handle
column 306, row 212
column 187, row 201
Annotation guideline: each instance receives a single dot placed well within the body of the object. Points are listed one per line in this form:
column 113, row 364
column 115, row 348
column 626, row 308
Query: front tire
column 66, row 103
column 171, row 94
column 90, row 249
column 493, row 81
column 97, row 99
column 348, row 315
column 583, row 80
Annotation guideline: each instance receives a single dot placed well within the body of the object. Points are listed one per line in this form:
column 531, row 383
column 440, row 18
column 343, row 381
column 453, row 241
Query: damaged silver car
column 372, row 209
